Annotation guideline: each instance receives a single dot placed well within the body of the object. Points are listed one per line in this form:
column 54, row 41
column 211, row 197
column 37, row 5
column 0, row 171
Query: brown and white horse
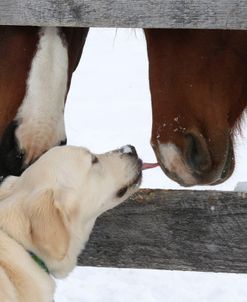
column 36, row 66
column 198, row 83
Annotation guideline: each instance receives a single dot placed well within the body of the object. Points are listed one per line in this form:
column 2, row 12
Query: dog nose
column 129, row 149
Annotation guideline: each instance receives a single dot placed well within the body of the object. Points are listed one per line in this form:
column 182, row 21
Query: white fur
column 41, row 115
column 172, row 159
column 13, row 256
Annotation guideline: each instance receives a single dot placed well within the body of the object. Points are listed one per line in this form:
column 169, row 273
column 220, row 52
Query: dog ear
column 47, row 228
column 65, row 201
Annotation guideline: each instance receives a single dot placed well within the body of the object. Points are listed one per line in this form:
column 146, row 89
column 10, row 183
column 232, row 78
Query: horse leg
column 39, row 121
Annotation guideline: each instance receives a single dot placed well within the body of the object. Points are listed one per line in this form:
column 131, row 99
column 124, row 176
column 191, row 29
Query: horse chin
column 176, row 166
column 228, row 167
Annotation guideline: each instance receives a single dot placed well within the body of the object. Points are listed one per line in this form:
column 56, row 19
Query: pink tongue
column 146, row 166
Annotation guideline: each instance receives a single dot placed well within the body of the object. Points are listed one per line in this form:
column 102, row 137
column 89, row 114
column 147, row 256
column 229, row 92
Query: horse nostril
column 197, row 154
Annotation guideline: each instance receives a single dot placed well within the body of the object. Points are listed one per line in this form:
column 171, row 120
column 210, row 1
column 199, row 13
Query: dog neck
column 36, row 259
column 23, row 272
column 39, row 261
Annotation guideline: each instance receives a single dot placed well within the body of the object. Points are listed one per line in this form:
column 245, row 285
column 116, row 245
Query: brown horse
column 198, row 82
column 36, row 66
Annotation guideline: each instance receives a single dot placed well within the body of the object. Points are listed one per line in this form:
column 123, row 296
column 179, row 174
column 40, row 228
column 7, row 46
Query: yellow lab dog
column 47, row 214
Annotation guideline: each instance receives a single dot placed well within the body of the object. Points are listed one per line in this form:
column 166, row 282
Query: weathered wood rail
column 175, row 230
column 224, row 14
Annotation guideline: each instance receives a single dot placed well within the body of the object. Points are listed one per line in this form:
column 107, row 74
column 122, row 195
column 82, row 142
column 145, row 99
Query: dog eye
column 121, row 192
column 95, row 159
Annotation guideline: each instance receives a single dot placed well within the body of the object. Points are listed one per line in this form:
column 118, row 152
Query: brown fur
column 18, row 46
column 198, row 82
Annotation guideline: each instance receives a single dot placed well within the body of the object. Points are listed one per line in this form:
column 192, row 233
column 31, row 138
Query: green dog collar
column 40, row 262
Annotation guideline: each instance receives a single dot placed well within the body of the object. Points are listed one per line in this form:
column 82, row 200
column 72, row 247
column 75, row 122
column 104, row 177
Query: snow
column 126, row 149
column 118, row 285
column 241, row 186
column 108, row 107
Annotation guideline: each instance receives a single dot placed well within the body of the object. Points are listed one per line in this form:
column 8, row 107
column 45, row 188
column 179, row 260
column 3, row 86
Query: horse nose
column 197, row 154
column 129, row 149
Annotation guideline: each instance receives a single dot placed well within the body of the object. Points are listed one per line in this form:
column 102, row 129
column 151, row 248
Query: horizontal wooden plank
column 225, row 14
column 173, row 230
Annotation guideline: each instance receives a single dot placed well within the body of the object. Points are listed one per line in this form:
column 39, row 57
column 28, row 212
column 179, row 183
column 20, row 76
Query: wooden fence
column 182, row 230
column 225, row 14
column 175, row 230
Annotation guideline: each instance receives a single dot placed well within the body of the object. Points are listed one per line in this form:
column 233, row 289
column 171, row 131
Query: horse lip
column 199, row 180
column 228, row 167
column 170, row 174
column 229, row 161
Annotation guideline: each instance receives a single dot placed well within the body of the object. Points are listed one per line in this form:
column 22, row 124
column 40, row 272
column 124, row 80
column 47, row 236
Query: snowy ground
column 109, row 106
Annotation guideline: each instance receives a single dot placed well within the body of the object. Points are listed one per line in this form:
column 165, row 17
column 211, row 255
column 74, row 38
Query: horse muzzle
column 198, row 162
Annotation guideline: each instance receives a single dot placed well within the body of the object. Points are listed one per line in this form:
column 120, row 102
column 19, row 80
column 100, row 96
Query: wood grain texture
column 173, row 230
column 225, row 14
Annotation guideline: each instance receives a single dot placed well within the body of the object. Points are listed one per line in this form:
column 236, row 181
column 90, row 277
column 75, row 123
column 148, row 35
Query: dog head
column 59, row 197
